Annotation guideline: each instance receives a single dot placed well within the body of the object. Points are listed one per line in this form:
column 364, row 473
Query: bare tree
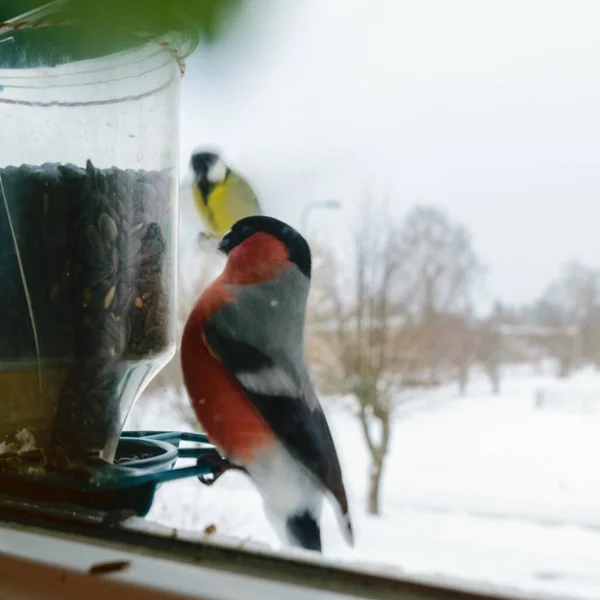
column 397, row 278
column 364, row 340
column 571, row 305
column 442, row 268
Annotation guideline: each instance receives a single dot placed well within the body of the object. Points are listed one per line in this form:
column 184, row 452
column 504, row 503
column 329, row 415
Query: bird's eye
column 246, row 232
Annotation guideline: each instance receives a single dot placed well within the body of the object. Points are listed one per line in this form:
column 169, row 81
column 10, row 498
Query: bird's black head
column 209, row 170
column 202, row 161
column 298, row 249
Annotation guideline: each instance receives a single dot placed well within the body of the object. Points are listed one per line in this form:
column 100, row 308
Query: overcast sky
column 490, row 109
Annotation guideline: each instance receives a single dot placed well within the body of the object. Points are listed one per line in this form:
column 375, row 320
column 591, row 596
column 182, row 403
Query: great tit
column 222, row 196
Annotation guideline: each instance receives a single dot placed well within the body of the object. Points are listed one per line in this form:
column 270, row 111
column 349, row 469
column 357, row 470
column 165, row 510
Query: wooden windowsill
column 48, row 561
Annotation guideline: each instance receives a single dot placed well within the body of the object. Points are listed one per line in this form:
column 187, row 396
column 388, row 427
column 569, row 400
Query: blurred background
column 442, row 160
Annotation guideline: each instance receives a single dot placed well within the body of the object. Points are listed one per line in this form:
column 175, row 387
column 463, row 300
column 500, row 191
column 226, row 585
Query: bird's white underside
column 286, row 487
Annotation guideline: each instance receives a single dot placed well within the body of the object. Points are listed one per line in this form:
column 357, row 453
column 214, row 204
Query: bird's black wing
column 280, row 400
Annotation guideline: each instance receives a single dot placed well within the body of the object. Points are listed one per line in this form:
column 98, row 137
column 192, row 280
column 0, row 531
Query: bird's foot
column 219, row 466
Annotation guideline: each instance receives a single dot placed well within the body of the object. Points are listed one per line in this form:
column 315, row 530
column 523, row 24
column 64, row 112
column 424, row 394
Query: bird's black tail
column 304, row 530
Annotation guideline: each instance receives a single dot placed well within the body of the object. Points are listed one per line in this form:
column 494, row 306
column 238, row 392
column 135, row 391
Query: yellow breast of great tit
column 225, row 205
column 213, row 209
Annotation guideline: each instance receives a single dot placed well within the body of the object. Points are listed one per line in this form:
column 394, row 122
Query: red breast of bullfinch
column 242, row 356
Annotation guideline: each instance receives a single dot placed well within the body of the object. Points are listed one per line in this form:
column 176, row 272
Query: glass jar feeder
column 89, row 150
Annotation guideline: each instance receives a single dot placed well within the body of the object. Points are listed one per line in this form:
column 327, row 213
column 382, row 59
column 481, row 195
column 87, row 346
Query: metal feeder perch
column 148, row 459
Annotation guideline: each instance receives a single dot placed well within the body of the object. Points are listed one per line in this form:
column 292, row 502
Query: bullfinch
column 242, row 357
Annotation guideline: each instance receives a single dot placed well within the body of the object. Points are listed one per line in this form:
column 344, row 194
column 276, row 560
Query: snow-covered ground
column 481, row 487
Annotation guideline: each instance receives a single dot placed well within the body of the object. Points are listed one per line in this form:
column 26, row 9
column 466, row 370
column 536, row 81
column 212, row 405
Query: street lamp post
column 315, row 205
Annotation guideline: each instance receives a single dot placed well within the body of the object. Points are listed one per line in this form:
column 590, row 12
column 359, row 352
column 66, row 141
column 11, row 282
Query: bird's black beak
column 226, row 244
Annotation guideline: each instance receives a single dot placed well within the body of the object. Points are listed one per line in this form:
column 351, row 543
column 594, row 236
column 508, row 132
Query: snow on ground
column 481, row 487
